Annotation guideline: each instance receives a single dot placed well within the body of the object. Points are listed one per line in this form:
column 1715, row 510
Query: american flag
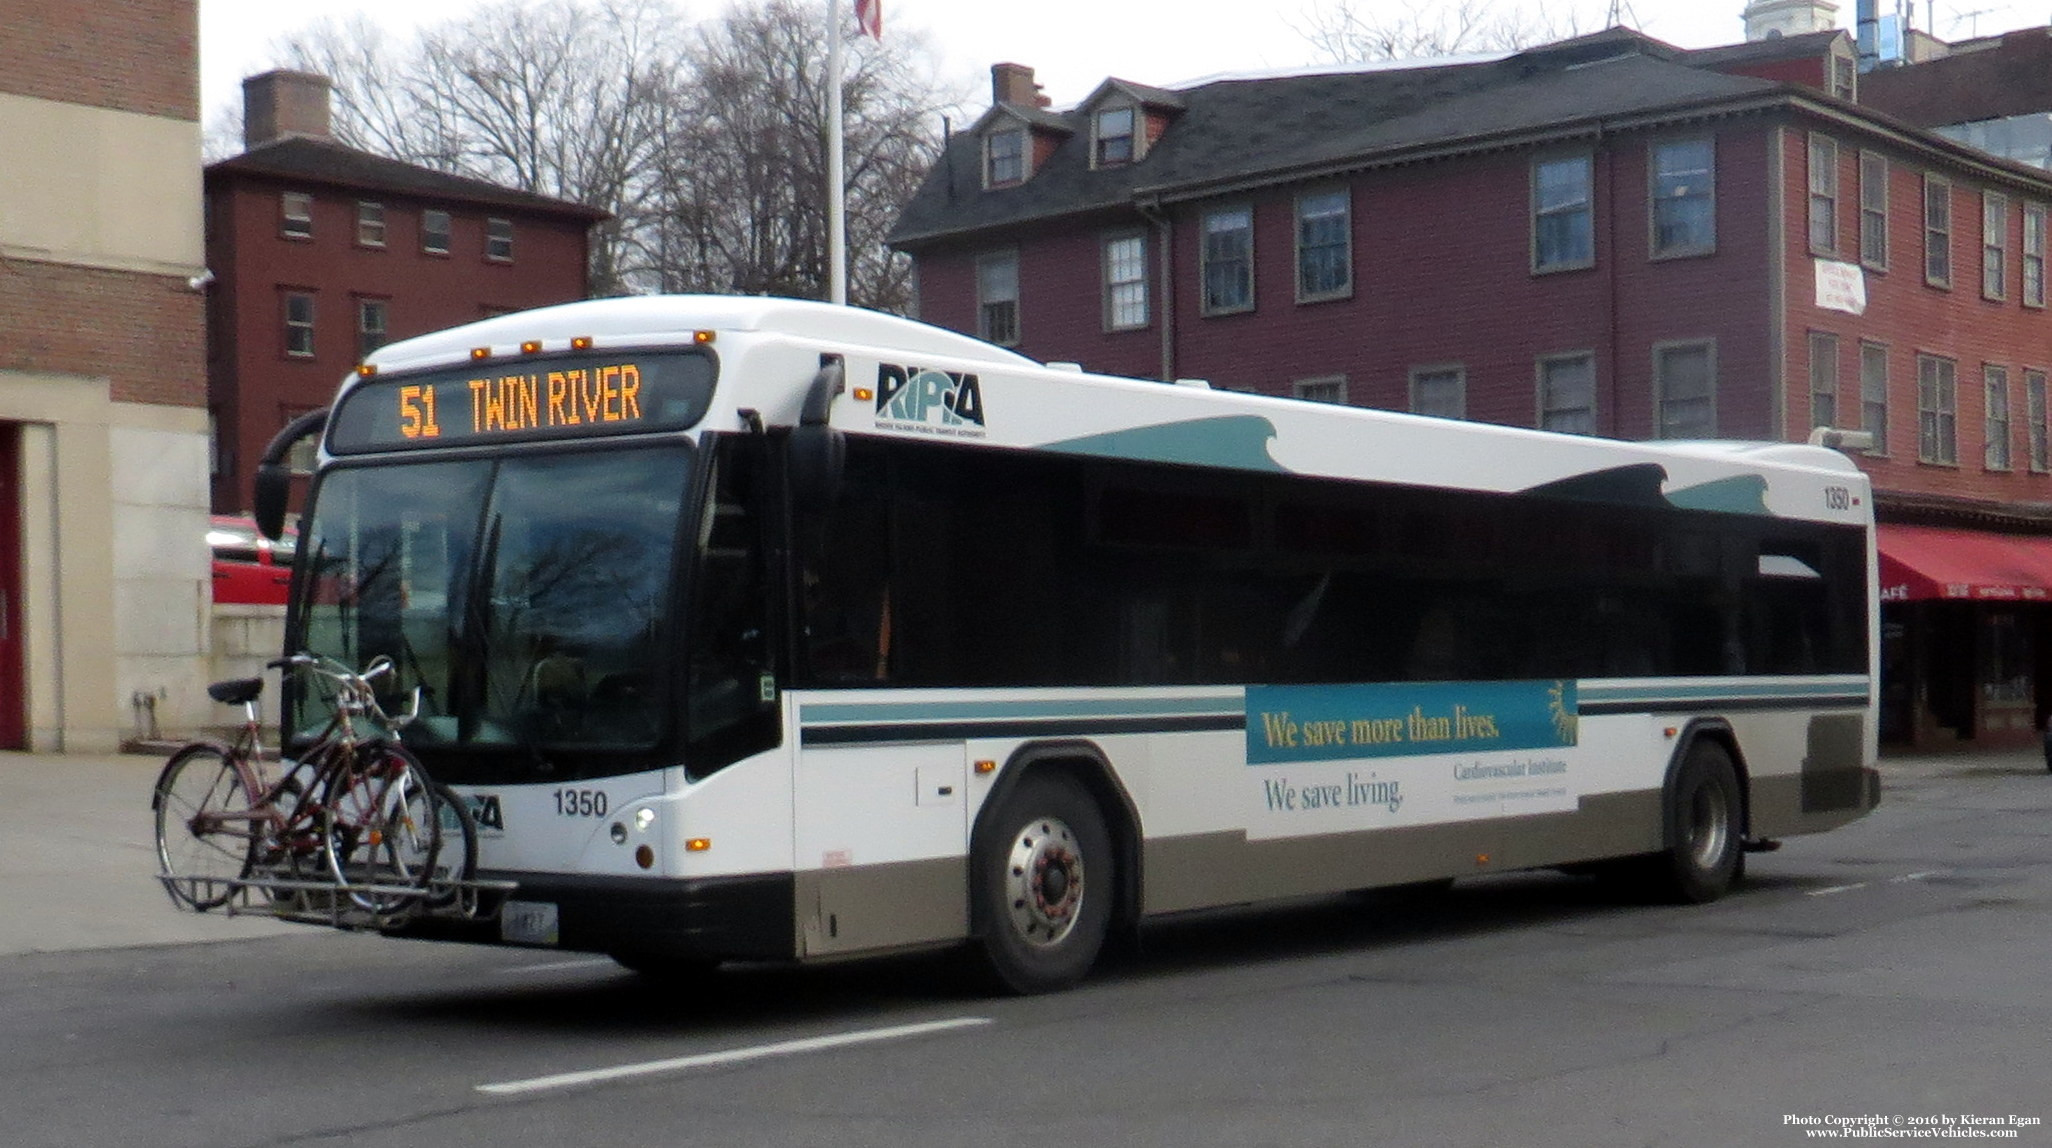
column 869, row 17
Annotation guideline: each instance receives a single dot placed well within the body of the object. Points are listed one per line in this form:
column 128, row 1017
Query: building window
column 1843, row 77
column 1113, row 128
column 370, row 224
column 1995, row 385
column 295, row 215
column 1567, row 393
column 1874, row 210
column 370, row 326
column 1823, row 195
column 1823, row 379
column 1937, row 231
column 1125, row 282
column 1324, row 246
column 1228, row 256
column 2034, row 255
column 434, row 232
column 305, row 452
column 1331, row 389
column 1685, row 389
column 1440, row 391
column 1874, row 395
column 299, row 324
column 1563, row 227
column 1937, row 409
column 499, row 240
column 997, row 298
column 2035, row 411
column 1994, row 245
column 1004, row 158
column 1684, row 208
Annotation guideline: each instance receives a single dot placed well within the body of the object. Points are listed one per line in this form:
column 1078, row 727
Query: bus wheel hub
column 1044, row 881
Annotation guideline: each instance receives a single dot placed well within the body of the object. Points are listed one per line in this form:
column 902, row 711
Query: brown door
column 13, row 691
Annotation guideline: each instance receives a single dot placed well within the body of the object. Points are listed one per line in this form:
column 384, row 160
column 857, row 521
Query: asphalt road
column 1895, row 970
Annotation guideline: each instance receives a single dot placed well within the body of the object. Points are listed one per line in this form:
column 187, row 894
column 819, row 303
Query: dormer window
column 1004, row 158
column 1112, row 137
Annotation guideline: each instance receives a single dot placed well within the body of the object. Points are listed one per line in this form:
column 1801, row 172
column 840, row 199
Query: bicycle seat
column 236, row 691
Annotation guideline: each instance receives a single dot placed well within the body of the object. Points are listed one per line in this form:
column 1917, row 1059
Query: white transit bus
column 762, row 629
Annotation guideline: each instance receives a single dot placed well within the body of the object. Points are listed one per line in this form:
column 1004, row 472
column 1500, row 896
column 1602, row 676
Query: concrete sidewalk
column 78, row 860
column 78, row 855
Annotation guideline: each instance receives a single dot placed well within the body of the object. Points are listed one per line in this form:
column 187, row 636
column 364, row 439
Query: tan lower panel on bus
column 1210, row 869
column 861, row 909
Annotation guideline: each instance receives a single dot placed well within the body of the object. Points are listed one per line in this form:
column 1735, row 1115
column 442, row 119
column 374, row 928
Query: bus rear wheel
column 1705, row 825
column 1042, row 866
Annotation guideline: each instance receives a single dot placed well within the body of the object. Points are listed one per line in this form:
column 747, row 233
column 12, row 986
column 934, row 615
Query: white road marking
column 559, row 966
column 730, row 1056
column 1917, row 876
column 1826, row 892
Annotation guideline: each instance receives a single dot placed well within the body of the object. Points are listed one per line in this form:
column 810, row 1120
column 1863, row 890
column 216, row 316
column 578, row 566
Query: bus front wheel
column 1705, row 823
column 1042, row 864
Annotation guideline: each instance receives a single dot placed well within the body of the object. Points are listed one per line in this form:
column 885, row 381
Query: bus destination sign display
column 533, row 399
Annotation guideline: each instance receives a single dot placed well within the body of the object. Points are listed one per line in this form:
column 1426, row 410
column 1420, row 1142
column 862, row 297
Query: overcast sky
column 1072, row 45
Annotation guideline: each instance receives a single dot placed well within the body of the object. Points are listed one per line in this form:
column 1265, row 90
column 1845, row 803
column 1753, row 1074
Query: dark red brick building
column 1608, row 235
column 321, row 253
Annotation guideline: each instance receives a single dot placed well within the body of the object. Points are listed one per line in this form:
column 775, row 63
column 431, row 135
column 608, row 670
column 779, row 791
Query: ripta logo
column 485, row 811
column 922, row 399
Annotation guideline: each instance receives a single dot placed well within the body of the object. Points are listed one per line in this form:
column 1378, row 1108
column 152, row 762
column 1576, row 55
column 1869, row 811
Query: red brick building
column 1607, row 235
column 321, row 252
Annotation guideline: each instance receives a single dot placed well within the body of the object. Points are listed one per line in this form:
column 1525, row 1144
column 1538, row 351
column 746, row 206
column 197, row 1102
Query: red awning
column 1924, row 562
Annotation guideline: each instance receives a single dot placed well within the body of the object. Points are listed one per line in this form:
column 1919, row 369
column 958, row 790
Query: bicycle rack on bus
column 336, row 903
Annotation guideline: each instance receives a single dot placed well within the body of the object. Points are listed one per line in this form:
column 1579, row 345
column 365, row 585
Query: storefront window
column 2006, row 659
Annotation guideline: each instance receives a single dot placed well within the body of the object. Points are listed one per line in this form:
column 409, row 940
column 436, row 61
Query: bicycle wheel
column 456, row 861
column 383, row 832
column 204, row 832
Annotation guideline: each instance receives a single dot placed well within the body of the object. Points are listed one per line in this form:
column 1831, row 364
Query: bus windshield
column 527, row 597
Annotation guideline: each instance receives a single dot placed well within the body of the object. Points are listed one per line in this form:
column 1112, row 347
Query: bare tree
column 744, row 170
column 1359, row 31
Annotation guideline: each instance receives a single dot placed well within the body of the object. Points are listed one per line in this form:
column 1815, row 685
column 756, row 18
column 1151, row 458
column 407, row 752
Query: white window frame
column 1241, row 216
column 1937, row 231
column 1304, row 214
column 1101, row 142
column 1426, row 376
column 1662, row 194
column 991, row 157
column 499, row 239
column 1874, row 210
column 1582, row 205
column 299, row 332
column 1874, row 394
column 370, row 223
column 1937, row 410
column 1823, row 379
column 1664, row 403
column 1823, row 215
column 2036, row 414
column 999, row 292
column 1549, row 414
column 373, row 318
column 1994, row 245
column 1126, row 305
column 2031, row 274
column 1321, row 389
column 295, row 215
column 428, row 233
column 1997, row 449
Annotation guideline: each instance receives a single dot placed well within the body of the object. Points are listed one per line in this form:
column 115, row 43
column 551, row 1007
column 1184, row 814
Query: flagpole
column 837, row 229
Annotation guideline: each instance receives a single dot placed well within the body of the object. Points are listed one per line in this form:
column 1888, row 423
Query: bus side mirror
column 817, row 450
column 271, row 488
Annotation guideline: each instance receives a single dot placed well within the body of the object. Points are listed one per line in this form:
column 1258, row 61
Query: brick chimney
column 1013, row 84
column 282, row 104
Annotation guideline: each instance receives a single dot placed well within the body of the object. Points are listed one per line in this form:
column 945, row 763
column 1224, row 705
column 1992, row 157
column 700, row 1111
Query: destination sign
column 532, row 399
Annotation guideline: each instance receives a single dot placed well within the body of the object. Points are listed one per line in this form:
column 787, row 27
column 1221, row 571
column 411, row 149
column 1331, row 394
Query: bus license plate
column 528, row 923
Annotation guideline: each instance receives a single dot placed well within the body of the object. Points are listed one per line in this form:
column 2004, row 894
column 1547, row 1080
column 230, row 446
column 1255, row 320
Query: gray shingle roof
column 1235, row 132
column 333, row 164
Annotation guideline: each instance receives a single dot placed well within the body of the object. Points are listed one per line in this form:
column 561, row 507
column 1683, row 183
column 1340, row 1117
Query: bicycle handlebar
column 354, row 687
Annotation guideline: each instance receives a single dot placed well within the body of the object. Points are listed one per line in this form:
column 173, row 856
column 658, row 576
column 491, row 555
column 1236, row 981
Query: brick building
column 103, row 438
column 1607, row 235
column 321, row 253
